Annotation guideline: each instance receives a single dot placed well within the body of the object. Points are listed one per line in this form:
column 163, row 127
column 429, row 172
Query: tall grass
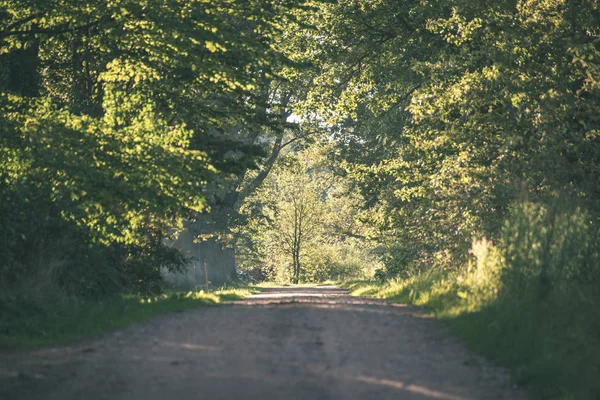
column 530, row 301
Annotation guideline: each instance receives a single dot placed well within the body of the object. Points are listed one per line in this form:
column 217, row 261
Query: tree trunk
column 296, row 263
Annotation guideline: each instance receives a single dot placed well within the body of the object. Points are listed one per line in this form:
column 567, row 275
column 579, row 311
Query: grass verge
column 56, row 321
column 550, row 340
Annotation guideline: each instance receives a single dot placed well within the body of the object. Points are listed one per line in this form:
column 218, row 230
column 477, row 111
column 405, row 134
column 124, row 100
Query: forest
column 440, row 153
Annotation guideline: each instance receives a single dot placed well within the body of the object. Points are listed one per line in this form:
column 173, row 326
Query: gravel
column 285, row 343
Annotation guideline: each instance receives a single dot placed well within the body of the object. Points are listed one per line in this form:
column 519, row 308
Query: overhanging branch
column 64, row 28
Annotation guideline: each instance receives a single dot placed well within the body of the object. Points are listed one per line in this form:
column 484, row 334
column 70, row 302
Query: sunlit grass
column 329, row 282
column 31, row 324
column 287, row 284
column 270, row 284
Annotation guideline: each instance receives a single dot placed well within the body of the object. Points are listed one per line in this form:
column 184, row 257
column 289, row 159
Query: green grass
column 56, row 321
column 271, row 284
column 550, row 340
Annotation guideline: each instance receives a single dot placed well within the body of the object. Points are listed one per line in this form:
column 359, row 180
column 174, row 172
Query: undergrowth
column 33, row 323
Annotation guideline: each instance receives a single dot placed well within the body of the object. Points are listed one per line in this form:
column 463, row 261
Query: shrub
column 401, row 261
column 549, row 245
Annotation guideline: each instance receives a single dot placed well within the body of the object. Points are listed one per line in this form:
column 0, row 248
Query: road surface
column 285, row 343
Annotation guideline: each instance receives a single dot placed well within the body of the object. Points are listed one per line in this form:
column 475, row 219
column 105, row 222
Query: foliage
column 445, row 110
column 554, row 244
column 115, row 116
column 400, row 260
column 453, row 146
column 301, row 224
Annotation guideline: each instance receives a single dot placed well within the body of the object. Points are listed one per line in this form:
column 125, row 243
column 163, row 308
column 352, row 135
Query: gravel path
column 286, row 343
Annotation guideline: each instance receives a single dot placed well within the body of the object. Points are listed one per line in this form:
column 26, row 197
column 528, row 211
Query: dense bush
column 400, row 261
column 81, row 210
column 551, row 245
column 339, row 261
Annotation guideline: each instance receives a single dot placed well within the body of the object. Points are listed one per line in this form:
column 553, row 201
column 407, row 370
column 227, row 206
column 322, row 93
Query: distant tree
column 294, row 209
column 304, row 220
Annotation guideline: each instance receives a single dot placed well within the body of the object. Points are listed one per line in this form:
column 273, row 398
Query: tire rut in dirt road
column 286, row 343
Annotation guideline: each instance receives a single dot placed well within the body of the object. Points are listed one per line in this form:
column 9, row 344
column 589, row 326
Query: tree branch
column 56, row 30
column 266, row 169
column 400, row 100
column 23, row 21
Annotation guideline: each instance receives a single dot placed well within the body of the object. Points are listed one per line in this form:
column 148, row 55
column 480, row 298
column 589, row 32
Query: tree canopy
column 447, row 152
column 125, row 122
column 116, row 116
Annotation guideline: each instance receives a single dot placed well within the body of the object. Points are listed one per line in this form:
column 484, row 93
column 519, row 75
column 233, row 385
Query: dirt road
column 286, row 343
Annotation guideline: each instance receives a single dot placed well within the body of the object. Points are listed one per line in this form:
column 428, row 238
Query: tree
column 445, row 110
column 277, row 93
column 293, row 209
column 122, row 127
column 302, row 223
